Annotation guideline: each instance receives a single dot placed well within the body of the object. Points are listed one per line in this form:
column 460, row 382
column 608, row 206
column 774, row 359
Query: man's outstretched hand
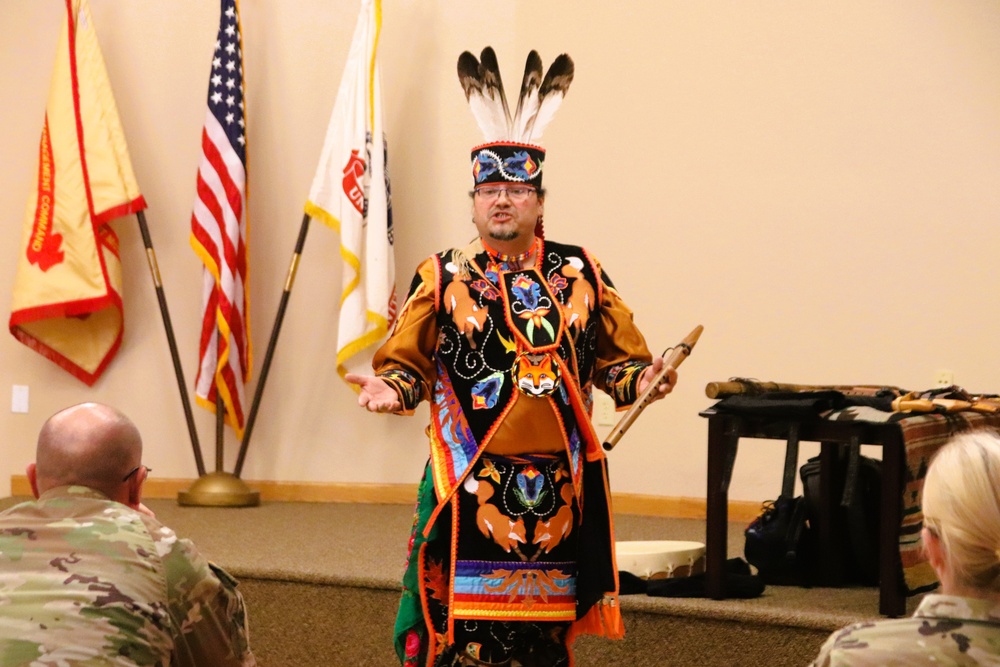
column 376, row 395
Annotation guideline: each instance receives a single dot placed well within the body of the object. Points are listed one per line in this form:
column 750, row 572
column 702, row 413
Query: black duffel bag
column 776, row 540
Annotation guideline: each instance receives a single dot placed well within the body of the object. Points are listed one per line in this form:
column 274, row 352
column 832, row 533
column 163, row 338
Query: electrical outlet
column 944, row 378
column 604, row 409
column 19, row 398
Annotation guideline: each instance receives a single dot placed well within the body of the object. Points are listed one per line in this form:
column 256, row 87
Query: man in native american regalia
column 511, row 554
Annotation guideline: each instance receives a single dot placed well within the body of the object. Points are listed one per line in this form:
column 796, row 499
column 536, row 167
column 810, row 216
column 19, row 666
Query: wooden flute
column 679, row 353
column 737, row 387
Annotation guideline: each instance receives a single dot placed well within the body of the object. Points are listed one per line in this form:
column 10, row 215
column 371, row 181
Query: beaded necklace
column 509, row 262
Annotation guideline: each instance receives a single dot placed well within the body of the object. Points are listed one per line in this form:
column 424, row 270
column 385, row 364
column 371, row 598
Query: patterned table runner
column 923, row 435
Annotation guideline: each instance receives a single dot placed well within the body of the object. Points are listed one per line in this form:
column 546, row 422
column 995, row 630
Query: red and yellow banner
column 67, row 301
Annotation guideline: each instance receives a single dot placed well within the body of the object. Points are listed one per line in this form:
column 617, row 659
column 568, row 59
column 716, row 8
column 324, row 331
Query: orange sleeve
column 410, row 348
column 622, row 353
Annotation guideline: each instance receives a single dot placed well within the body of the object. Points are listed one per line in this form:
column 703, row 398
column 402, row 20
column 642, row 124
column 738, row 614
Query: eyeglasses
column 514, row 193
column 135, row 470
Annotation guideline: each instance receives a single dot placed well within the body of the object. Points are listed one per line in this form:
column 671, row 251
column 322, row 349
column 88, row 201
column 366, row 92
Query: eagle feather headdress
column 536, row 105
column 511, row 152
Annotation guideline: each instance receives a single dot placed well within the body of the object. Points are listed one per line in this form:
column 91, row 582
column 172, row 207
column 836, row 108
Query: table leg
column 891, row 602
column 830, row 567
column 723, row 438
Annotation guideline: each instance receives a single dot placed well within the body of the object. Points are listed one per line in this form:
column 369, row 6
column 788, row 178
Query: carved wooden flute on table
column 904, row 401
column 677, row 356
column 746, row 386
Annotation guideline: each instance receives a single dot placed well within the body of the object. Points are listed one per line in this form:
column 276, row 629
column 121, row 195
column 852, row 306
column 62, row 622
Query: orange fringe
column 604, row 620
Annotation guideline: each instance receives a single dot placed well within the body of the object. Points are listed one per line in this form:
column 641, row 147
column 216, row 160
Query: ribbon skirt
column 499, row 582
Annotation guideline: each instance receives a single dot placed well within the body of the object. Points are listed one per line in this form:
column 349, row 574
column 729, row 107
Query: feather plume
column 537, row 104
column 527, row 103
column 550, row 96
column 489, row 70
column 468, row 73
column 484, row 92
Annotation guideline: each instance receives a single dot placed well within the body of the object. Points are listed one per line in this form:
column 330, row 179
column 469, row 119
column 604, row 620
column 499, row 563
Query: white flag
column 350, row 192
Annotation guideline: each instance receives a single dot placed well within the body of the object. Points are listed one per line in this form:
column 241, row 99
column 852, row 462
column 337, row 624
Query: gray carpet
column 365, row 545
column 326, row 576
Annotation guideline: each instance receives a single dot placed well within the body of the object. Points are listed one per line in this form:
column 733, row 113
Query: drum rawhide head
column 660, row 559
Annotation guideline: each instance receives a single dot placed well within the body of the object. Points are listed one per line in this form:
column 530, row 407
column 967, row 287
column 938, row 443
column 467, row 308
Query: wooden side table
column 724, row 433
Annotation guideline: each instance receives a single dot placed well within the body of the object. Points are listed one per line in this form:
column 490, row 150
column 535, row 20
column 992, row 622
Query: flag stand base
column 219, row 489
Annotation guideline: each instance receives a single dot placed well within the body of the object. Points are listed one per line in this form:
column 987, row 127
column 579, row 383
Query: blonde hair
column 961, row 504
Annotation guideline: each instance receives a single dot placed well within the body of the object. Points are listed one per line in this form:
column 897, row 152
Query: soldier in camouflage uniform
column 961, row 534
column 88, row 577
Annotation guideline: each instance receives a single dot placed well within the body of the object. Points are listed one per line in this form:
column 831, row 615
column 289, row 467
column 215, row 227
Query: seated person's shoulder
column 911, row 641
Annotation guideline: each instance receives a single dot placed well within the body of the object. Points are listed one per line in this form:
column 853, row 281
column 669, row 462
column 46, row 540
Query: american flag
column 219, row 230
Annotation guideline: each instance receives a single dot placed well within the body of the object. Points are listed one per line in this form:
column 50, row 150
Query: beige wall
column 816, row 183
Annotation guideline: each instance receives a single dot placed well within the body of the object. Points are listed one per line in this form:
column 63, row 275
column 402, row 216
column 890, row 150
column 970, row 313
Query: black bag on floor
column 782, row 543
column 857, row 483
column 776, row 540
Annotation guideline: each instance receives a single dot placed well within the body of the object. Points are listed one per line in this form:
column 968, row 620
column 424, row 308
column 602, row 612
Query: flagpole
column 220, row 430
column 275, row 330
column 154, row 270
column 219, row 488
column 222, row 174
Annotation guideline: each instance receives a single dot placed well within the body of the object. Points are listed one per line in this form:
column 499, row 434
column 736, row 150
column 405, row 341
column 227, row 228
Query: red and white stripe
column 218, row 234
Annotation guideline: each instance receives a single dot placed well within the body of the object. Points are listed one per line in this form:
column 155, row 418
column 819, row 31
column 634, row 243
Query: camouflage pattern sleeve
column 79, row 585
column 205, row 605
column 945, row 630
column 87, row 581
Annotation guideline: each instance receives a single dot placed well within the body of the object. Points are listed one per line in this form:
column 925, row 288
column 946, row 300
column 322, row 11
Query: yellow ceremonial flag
column 67, row 301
